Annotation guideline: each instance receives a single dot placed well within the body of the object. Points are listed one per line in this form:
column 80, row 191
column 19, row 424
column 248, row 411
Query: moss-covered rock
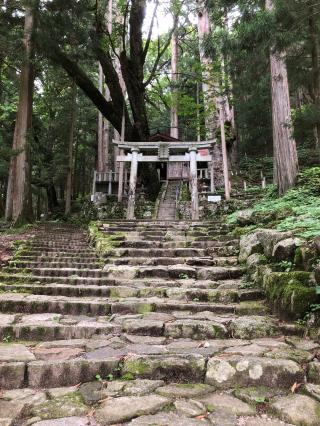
column 104, row 243
column 305, row 257
column 65, row 406
column 289, row 293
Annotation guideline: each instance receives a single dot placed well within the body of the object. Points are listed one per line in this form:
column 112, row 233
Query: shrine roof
column 162, row 137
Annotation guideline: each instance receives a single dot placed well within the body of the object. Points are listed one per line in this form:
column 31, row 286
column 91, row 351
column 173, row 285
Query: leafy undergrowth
column 297, row 211
column 10, row 239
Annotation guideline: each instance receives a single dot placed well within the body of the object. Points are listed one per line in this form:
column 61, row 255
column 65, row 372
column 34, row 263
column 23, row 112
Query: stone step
column 53, row 263
column 124, row 271
column 218, row 294
column 199, row 326
column 179, row 252
column 31, row 254
column 56, row 246
column 50, row 251
column 57, row 257
column 177, row 244
column 192, row 261
column 36, row 367
column 17, row 303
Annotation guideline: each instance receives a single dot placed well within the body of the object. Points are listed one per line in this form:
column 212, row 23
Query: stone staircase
column 164, row 331
column 167, row 207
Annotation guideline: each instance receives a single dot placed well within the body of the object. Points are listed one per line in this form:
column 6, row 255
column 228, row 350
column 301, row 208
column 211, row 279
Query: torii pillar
column 194, row 184
column 133, row 184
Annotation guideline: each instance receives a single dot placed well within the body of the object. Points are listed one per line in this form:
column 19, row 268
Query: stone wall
column 286, row 268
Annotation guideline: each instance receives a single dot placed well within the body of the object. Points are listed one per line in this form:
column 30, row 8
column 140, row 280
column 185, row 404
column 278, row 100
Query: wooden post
column 245, row 186
column 94, row 184
column 194, row 184
column 110, row 183
column 212, row 185
column 264, row 183
column 133, row 184
column 121, row 165
column 224, row 154
column 121, row 170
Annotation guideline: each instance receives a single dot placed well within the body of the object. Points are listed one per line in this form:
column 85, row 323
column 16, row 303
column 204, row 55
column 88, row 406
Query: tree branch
column 84, row 82
column 146, row 47
column 161, row 53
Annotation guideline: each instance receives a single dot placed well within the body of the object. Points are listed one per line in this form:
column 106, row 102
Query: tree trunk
column 70, row 150
column 52, row 197
column 102, row 139
column 19, row 201
column 174, row 129
column 285, row 152
column 315, row 56
column 104, row 126
column 210, row 90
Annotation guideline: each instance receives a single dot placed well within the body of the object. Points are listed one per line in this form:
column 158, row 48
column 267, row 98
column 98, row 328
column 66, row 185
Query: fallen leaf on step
column 295, row 387
column 91, row 413
column 202, row 416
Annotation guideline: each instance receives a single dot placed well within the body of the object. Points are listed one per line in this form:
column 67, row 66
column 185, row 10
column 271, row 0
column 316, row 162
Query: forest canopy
column 76, row 74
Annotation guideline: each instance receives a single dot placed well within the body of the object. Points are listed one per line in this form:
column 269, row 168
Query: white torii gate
column 159, row 152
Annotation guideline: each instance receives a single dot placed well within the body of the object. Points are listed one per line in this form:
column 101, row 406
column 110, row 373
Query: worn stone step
column 58, row 247
column 59, row 272
column 179, row 252
column 177, row 368
column 19, row 303
column 192, row 261
column 51, row 251
column 178, row 244
column 176, row 293
column 124, row 271
column 182, row 271
column 54, row 326
column 53, row 263
column 57, row 256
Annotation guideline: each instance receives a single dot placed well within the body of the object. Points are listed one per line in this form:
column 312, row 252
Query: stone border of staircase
column 283, row 266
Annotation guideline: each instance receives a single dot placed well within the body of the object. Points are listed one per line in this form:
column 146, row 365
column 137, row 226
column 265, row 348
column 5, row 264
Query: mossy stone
column 289, row 293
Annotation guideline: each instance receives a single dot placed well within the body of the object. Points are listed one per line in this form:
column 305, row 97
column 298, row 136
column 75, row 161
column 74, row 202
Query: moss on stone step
column 104, row 243
column 289, row 293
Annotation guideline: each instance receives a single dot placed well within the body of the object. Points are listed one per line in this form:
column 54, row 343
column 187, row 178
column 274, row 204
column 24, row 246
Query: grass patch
column 297, row 211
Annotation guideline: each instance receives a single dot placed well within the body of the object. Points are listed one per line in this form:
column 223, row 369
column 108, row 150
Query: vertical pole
column 132, row 184
column 174, row 130
column 224, row 154
column 110, row 183
column 194, row 184
column 120, row 186
column 212, row 185
column 94, row 184
column 198, row 115
column 121, row 165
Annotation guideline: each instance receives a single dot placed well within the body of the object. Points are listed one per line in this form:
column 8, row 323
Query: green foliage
column 185, row 193
column 285, row 266
column 298, row 210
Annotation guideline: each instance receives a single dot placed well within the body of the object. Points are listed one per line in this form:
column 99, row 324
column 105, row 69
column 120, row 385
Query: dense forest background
column 70, row 38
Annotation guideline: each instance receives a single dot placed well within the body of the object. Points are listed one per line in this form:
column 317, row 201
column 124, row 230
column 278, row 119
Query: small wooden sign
column 214, row 198
column 163, row 151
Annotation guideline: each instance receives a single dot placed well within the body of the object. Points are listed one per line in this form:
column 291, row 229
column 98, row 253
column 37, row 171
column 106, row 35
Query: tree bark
column 73, row 107
column 210, row 89
column 285, row 152
column 19, row 201
column 102, row 124
column 174, row 128
column 315, row 56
